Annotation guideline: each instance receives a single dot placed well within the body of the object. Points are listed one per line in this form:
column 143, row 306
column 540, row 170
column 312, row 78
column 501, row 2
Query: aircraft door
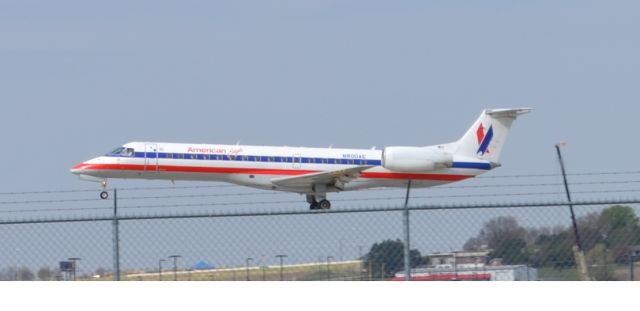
column 150, row 158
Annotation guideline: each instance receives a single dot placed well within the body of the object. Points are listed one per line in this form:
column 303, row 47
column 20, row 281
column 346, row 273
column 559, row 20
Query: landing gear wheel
column 324, row 204
column 104, row 195
column 313, row 206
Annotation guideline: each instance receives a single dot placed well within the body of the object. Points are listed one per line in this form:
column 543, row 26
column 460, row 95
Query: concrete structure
column 471, row 272
column 469, row 266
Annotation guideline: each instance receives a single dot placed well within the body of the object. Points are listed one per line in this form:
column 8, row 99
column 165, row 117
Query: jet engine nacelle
column 415, row 159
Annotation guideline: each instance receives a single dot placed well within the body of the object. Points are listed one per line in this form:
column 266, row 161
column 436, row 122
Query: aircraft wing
column 336, row 177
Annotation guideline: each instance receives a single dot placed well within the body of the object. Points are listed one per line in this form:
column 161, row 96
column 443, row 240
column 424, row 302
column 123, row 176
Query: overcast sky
column 79, row 78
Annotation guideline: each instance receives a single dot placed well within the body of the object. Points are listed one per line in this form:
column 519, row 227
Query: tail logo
column 484, row 139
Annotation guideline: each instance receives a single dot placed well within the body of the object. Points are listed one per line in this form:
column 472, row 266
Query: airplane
column 313, row 172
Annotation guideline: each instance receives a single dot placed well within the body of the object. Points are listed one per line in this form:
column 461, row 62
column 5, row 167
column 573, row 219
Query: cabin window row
column 250, row 158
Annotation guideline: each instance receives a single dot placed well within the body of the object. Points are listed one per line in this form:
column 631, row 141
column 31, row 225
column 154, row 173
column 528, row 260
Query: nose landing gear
column 104, row 194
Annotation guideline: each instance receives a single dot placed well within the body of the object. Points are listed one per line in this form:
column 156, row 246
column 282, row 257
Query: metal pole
column 328, row 268
column 175, row 266
column 116, row 238
column 566, row 188
column 160, row 261
column 407, row 250
column 580, row 260
column 247, row 267
column 74, row 262
column 281, row 261
column 631, row 263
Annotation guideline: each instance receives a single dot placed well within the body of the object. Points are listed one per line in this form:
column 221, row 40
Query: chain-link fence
column 210, row 233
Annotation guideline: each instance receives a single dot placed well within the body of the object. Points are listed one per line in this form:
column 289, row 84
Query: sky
column 79, row 78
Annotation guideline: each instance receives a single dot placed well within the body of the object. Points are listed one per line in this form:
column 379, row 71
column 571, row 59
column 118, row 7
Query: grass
column 308, row 272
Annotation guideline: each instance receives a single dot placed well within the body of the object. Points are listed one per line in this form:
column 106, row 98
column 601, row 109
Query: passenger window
column 169, row 155
column 325, row 161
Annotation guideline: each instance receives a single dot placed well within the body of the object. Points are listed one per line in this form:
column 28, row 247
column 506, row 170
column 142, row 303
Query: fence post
column 407, row 249
column 116, row 238
column 631, row 262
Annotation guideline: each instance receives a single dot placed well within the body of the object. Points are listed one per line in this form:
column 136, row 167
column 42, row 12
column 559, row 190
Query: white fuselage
column 257, row 166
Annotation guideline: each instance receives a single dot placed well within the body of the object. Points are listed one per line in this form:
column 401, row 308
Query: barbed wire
column 272, row 193
column 377, row 199
column 336, row 200
column 231, row 185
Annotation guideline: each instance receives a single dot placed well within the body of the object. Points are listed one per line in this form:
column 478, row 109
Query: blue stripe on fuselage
column 278, row 159
column 473, row 165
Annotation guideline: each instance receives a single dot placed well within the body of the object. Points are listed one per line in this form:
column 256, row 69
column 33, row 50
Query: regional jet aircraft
column 313, row 172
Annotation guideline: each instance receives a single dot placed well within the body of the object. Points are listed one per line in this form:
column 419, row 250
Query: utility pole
column 175, row 266
column 247, row 267
column 578, row 251
column 160, row 261
column 632, row 261
column 407, row 250
column 281, row 261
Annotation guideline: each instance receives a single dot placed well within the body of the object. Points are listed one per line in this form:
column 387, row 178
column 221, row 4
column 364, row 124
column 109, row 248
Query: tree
column 620, row 230
column 101, row 271
column 591, row 231
column 45, row 274
column 554, row 249
column 387, row 257
column 25, row 274
column 600, row 261
column 505, row 237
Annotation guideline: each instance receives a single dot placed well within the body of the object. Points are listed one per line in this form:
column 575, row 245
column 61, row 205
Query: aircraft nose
column 79, row 168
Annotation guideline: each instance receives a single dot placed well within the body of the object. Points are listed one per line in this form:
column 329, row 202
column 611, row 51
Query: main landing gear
column 315, row 205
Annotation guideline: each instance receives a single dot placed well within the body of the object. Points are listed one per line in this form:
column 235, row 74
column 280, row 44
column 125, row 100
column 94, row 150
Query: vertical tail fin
column 487, row 135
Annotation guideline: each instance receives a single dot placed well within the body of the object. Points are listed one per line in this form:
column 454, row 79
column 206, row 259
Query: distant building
column 469, row 266
column 459, row 257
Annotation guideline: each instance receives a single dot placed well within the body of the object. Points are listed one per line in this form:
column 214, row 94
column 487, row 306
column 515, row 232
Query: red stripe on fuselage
column 384, row 175
column 261, row 171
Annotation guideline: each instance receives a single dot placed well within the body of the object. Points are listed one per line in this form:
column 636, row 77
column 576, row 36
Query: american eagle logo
column 484, row 139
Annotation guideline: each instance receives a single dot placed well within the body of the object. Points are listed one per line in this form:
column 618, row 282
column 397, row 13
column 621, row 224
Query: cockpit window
column 117, row 151
column 124, row 152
